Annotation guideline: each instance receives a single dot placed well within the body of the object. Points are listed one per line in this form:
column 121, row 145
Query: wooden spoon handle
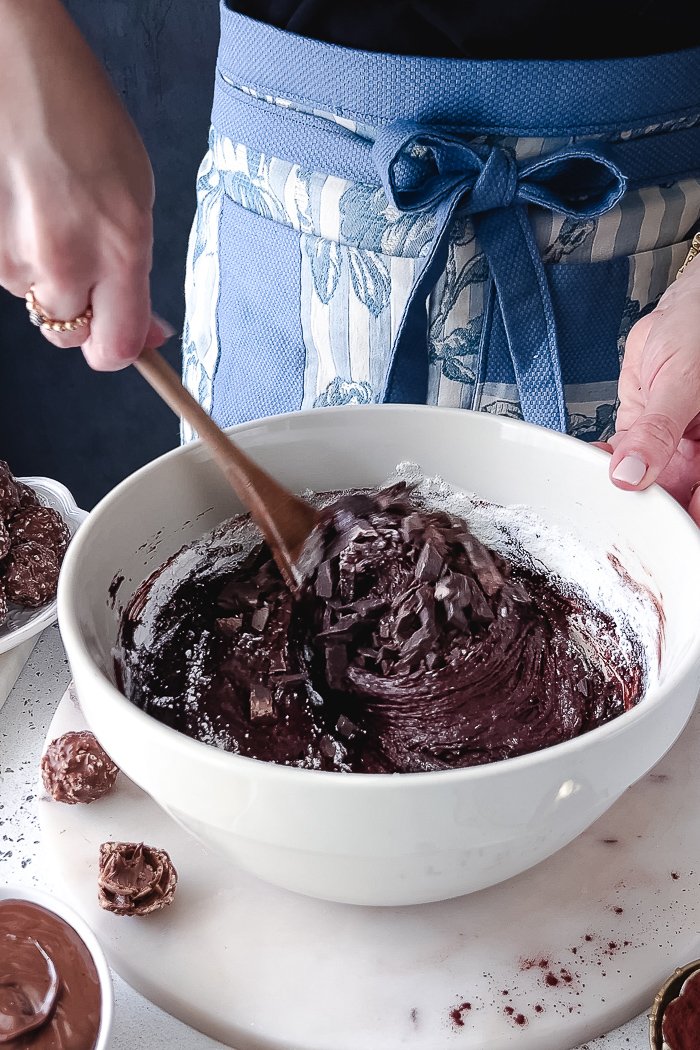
column 284, row 519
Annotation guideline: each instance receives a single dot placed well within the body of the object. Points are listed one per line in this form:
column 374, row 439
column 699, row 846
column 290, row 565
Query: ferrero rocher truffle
column 135, row 879
column 33, row 541
column 42, row 525
column 26, row 495
column 76, row 768
column 9, row 493
column 31, row 574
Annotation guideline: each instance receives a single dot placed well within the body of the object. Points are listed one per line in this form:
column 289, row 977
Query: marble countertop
column 24, row 720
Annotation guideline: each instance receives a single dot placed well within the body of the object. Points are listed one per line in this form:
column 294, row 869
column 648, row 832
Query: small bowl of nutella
column 55, row 984
column 674, row 1021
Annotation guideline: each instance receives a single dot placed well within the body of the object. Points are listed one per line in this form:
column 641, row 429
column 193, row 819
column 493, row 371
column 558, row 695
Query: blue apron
column 476, row 234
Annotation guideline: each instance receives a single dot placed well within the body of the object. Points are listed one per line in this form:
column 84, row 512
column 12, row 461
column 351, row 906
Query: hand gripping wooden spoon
column 284, row 519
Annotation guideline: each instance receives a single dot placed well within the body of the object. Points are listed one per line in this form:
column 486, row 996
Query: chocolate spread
column 50, row 995
column 681, row 1022
column 410, row 646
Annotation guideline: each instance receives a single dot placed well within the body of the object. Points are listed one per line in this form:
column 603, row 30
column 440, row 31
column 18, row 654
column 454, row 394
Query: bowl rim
column 60, row 908
column 75, row 644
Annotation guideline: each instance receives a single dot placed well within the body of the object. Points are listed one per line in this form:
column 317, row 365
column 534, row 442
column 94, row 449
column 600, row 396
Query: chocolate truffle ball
column 26, row 495
column 31, row 574
column 135, row 879
column 76, row 768
column 9, row 492
column 42, row 525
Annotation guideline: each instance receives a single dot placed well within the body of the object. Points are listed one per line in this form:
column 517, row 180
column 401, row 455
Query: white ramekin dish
column 65, row 912
column 24, row 624
column 22, row 627
column 382, row 839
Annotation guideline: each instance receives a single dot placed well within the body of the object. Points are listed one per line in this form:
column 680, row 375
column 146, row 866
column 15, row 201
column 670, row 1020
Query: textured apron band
column 281, row 131
column 540, row 98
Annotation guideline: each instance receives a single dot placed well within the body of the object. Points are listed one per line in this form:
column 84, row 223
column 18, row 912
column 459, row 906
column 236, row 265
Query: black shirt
column 488, row 28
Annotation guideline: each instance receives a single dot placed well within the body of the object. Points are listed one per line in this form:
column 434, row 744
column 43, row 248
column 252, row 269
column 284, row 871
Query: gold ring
column 693, row 251
column 39, row 317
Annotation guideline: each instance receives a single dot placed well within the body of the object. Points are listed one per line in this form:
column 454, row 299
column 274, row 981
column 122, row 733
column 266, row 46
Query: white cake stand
column 546, row 961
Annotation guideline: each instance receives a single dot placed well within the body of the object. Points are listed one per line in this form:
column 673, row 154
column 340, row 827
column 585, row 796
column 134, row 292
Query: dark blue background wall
column 57, row 418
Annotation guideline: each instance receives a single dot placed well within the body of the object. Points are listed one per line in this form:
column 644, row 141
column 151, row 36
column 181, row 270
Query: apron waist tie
column 425, row 168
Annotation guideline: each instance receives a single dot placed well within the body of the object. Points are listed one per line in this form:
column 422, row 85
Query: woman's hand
column 658, row 420
column 76, row 187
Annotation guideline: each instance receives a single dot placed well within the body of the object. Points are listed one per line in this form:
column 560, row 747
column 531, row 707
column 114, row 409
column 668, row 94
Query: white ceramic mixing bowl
column 382, row 839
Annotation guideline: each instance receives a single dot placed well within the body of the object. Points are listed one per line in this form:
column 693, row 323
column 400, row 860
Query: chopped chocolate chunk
column 262, row 708
column 5, row 541
column 134, row 879
column 76, row 768
column 230, row 625
column 429, row 564
column 330, row 748
column 346, row 728
column 324, row 580
column 31, row 574
column 260, row 618
column 42, row 525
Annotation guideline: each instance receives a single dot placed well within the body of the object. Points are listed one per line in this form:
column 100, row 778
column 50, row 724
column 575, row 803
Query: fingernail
column 631, row 470
column 165, row 326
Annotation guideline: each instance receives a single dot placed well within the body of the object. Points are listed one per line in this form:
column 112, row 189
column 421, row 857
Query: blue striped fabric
column 373, row 227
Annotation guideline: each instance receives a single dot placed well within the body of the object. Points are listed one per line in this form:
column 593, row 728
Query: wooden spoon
column 284, row 519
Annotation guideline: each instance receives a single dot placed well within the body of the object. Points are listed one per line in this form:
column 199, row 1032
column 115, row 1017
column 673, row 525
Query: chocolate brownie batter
column 409, row 647
column 50, row 995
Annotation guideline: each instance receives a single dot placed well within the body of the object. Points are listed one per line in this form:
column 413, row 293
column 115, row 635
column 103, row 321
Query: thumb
column 644, row 451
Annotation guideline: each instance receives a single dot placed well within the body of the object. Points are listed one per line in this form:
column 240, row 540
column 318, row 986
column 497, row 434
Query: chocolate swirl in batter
column 410, row 647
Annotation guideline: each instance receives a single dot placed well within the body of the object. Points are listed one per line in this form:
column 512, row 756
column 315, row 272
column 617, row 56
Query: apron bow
column 429, row 168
